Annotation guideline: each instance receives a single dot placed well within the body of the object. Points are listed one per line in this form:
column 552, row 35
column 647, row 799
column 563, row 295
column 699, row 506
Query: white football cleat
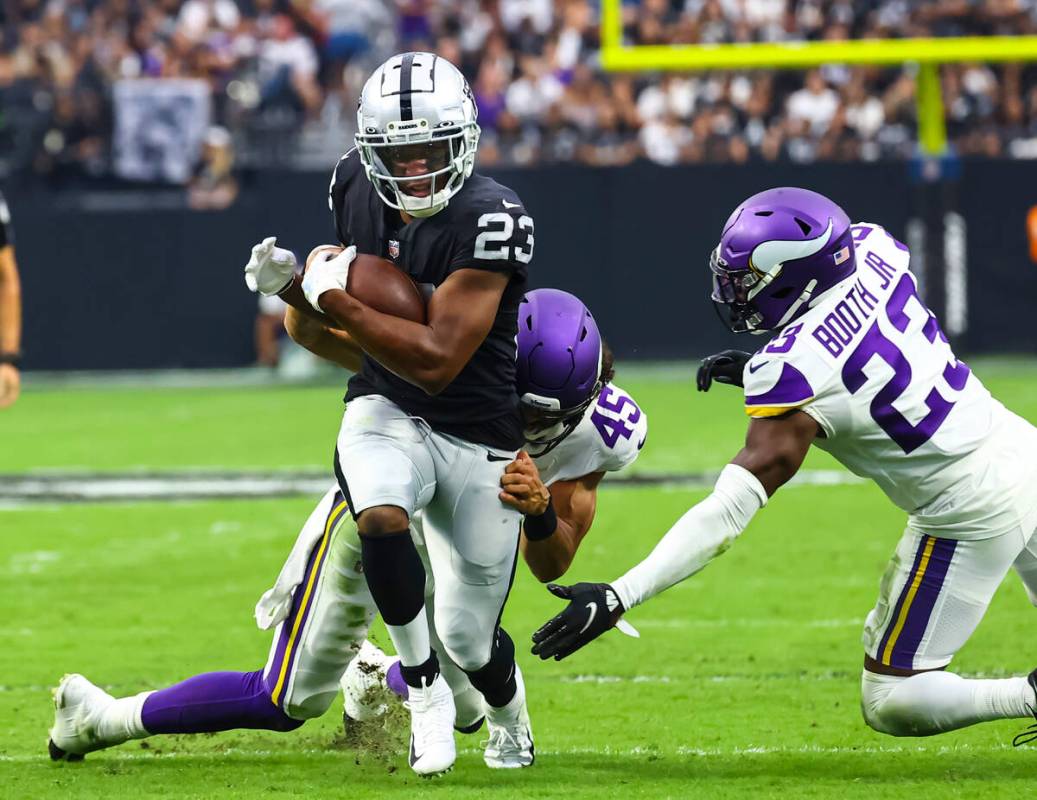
column 510, row 745
column 78, row 707
column 432, row 750
column 364, row 691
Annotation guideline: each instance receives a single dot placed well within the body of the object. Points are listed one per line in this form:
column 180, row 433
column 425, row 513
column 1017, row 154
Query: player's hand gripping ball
column 270, row 268
column 327, row 268
column 375, row 282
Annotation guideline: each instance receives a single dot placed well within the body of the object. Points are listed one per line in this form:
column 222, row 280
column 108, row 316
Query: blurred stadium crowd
column 281, row 79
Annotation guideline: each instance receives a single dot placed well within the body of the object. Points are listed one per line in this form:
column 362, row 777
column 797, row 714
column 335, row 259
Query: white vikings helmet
column 417, row 106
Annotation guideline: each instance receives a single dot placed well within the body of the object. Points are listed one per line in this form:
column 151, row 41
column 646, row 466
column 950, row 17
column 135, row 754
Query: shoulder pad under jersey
column 786, row 374
column 608, row 438
column 493, row 229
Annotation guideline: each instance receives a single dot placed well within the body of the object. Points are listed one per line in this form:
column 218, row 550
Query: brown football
column 380, row 284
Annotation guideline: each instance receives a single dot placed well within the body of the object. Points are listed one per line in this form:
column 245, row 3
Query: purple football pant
column 215, row 701
column 328, row 620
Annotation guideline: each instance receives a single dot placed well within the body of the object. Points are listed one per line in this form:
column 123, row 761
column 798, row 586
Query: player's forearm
column 703, row 533
column 549, row 559
column 295, row 298
column 572, row 506
column 408, row 349
column 332, row 345
column 10, row 303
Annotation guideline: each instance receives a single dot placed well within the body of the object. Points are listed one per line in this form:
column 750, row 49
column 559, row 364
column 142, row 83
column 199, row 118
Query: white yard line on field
column 749, row 622
column 84, row 487
column 31, row 563
column 630, row 752
column 802, row 675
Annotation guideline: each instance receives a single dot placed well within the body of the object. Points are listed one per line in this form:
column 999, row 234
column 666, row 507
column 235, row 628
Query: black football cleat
column 1030, row 734
column 57, row 754
column 472, row 728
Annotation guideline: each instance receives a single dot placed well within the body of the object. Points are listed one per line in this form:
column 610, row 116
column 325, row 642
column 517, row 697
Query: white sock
column 120, row 719
column 507, row 713
column 936, row 702
column 411, row 640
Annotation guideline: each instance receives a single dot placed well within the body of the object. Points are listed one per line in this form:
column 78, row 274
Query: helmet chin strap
column 803, row 298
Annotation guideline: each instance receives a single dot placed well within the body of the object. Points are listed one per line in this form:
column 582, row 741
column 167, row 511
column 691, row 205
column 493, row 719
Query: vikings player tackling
column 578, row 426
column 859, row 367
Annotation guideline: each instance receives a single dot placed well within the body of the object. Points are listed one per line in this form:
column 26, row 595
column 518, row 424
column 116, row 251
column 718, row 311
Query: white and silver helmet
column 416, row 99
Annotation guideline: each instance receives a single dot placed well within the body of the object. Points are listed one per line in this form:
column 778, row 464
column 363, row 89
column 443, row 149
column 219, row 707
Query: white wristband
column 703, row 533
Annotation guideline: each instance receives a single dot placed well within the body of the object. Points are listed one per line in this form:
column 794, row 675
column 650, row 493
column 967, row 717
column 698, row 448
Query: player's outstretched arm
column 773, row 452
column 460, row 314
column 556, row 517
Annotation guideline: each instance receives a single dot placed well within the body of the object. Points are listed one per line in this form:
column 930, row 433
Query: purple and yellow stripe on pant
column 293, row 626
column 915, row 604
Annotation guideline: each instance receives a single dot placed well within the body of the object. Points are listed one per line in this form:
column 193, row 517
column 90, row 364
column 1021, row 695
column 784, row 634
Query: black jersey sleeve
column 6, row 231
column 346, row 172
column 494, row 234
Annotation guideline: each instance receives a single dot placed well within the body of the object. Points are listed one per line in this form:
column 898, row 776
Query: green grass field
column 744, row 682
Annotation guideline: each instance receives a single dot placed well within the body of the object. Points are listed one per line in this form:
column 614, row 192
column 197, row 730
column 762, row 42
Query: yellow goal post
column 928, row 54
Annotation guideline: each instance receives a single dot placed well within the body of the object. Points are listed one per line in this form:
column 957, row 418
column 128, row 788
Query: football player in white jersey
column 578, row 426
column 858, row 366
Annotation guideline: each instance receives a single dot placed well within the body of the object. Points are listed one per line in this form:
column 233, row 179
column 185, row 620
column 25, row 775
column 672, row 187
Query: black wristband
column 541, row 526
column 14, row 359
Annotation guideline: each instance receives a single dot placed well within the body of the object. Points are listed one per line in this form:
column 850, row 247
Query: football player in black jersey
column 10, row 312
column 432, row 422
column 433, row 417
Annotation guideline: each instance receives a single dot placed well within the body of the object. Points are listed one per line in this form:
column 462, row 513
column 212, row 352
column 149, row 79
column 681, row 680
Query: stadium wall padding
column 133, row 279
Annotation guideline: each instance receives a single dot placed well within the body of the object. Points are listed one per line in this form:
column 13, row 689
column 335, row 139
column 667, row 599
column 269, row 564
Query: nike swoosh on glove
column 593, row 609
column 723, row 367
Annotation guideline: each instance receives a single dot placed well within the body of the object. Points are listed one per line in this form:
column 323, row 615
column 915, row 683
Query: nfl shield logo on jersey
column 394, row 249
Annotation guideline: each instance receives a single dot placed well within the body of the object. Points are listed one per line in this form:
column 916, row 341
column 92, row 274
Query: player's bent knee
column 300, row 709
column 381, row 520
column 468, row 648
column 893, row 719
column 274, row 718
column 884, row 710
column 284, row 723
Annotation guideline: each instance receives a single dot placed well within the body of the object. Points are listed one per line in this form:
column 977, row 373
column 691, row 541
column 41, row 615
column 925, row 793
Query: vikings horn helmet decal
column 780, row 250
column 767, row 257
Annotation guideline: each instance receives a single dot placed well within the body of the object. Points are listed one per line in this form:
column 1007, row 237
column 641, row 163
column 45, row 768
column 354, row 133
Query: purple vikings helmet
column 559, row 365
column 780, row 249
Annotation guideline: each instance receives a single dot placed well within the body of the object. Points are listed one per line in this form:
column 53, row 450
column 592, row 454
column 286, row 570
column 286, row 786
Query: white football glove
column 327, row 271
column 270, row 269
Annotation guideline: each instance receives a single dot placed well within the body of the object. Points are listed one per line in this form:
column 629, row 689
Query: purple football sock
column 215, row 701
column 394, row 679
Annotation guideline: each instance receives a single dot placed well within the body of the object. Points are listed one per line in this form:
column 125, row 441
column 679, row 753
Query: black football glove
column 723, row 367
column 593, row 609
